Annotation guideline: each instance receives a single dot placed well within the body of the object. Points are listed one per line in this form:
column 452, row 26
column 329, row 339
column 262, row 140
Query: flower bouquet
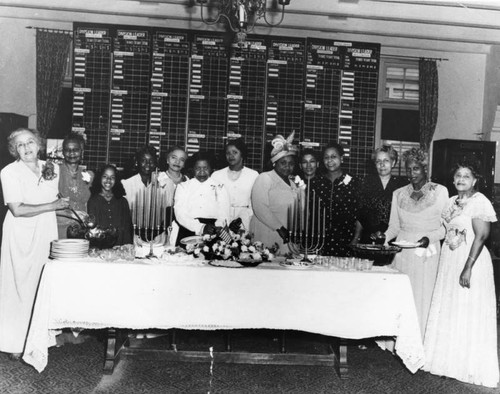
column 238, row 247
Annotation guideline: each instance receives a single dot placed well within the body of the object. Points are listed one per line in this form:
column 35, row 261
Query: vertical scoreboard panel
column 91, row 84
column 359, row 83
column 207, row 93
column 169, row 89
column 129, row 93
column 246, row 96
column 285, row 87
column 322, row 94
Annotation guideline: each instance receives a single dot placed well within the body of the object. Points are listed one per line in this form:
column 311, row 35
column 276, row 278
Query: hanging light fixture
column 239, row 15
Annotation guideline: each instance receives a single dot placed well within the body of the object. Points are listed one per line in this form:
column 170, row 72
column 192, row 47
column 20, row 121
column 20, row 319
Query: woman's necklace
column 73, row 184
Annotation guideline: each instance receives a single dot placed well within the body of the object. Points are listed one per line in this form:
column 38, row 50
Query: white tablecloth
column 98, row 294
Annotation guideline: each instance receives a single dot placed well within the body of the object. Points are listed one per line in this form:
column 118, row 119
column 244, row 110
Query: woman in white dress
column 461, row 337
column 30, row 189
column 416, row 218
column 238, row 181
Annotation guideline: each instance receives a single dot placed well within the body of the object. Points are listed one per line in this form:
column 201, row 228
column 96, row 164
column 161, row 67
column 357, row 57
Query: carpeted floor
column 78, row 369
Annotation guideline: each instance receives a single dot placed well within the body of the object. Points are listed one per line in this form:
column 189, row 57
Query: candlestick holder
column 306, row 223
column 149, row 215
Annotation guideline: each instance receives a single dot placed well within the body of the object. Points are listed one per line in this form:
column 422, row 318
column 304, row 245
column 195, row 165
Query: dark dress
column 376, row 204
column 341, row 199
column 114, row 212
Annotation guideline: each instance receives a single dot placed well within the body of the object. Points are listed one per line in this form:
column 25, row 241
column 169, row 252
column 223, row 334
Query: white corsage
column 86, row 177
column 299, row 182
column 162, row 179
column 347, row 179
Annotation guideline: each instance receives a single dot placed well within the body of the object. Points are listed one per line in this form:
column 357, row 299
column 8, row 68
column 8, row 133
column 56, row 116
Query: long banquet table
column 144, row 294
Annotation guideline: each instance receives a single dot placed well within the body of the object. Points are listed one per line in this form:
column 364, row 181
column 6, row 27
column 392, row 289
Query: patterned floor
column 78, row 369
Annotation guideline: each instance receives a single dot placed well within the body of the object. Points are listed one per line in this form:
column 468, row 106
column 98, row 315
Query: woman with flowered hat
column 273, row 193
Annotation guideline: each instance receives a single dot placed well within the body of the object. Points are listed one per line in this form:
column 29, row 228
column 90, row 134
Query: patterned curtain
column 52, row 50
column 428, row 101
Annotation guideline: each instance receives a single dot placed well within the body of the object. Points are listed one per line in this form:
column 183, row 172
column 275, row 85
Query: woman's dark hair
column 473, row 165
column 335, row 145
column 198, row 156
column 306, row 152
column 239, row 144
column 96, row 188
column 74, row 137
column 146, row 149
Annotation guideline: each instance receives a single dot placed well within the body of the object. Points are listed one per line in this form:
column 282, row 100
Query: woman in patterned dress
column 416, row 218
column 461, row 337
column 74, row 182
column 340, row 194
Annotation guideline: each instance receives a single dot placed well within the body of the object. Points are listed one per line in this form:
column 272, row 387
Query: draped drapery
column 52, row 50
column 428, row 101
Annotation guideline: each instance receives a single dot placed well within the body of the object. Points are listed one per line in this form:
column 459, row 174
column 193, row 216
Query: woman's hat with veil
column 283, row 147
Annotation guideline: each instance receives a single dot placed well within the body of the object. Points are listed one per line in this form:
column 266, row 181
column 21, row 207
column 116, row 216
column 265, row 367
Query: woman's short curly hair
column 418, row 155
column 393, row 154
column 11, row 140
column 146, row 149
column 74, row 137
column 470, row 163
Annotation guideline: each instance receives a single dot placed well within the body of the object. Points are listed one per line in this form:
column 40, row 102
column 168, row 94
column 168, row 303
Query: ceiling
column 445, row 26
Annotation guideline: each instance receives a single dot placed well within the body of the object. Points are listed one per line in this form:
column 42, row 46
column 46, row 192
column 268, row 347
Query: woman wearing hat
column 272, row 194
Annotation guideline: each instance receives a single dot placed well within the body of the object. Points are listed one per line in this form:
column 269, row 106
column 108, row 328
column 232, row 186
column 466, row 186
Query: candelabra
column 306, row 223
column 149, row 215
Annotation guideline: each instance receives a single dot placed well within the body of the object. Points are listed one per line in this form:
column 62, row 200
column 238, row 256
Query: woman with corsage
column 273, row 193
column 415, row 220
column 461, row 337
column 340, row 195
column 238, row 180
column 30, row 190
column 74, row 182
column 201, row 204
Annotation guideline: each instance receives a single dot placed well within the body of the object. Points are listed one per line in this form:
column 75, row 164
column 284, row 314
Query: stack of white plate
column 69, row 249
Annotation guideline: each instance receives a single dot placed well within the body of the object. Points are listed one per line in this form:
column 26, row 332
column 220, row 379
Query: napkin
column 427, row 252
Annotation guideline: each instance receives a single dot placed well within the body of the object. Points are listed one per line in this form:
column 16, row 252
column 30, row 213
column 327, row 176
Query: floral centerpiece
column 232, row 246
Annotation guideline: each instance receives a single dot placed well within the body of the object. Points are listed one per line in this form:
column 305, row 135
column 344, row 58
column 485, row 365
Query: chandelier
column 239, row 15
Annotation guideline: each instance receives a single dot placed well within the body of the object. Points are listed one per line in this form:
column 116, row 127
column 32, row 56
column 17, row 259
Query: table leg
column 115, row 341
column 339, row 348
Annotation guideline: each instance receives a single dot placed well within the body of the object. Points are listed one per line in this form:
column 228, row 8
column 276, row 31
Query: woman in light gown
column 74, row 182
column 416, row 218
column 238, row 181
column 272, row 194
column 30, row 188
column 461, row 337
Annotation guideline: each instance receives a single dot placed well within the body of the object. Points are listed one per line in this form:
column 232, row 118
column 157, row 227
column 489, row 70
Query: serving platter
column 406, row 244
